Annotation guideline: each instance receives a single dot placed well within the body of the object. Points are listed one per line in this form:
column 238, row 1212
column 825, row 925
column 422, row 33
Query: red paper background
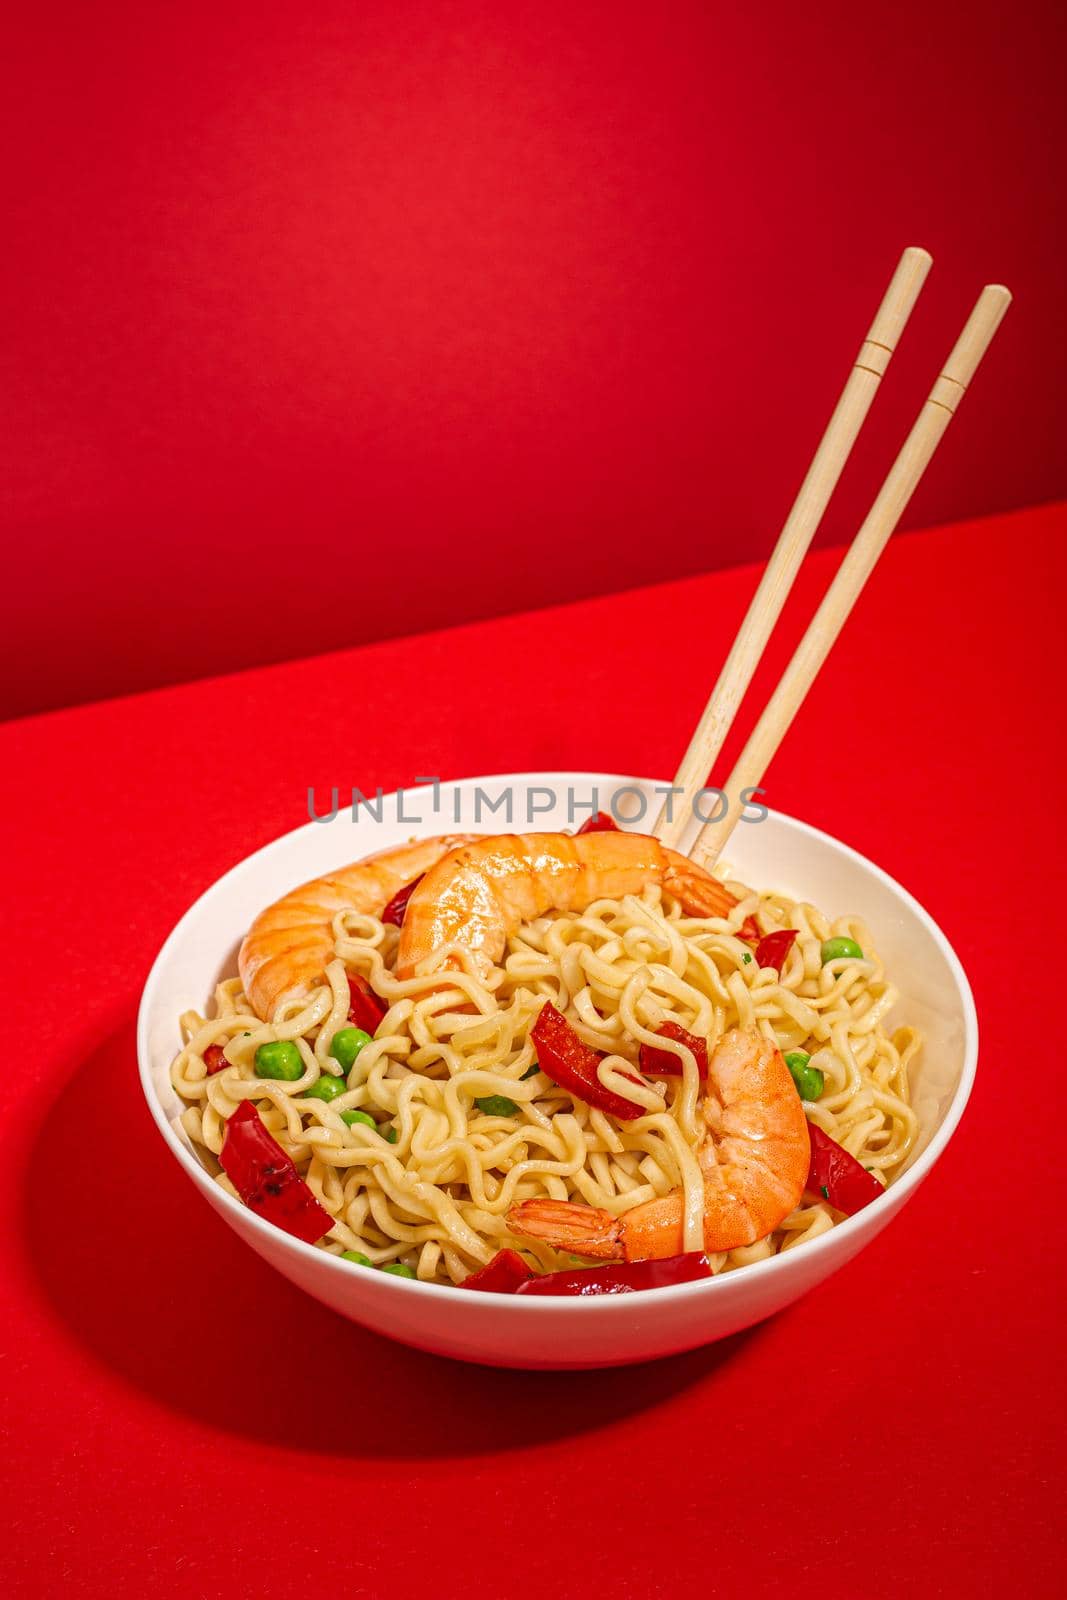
column 183, row 1424
column 327, row 322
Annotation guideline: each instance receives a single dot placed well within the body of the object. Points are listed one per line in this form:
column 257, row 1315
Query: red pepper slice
column 599, row 822
column 214, row 1059
column 573, row 1065
column 502, row 1275
column 662, row 1064
column 836, row 1176
column 774, row 947
column 394, row 911
column 266, row 1179
column 366, row 1010
column 625, row 1277
column 749, row 931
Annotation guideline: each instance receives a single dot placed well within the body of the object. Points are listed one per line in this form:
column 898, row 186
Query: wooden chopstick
column 924, row 438
column 827, row 465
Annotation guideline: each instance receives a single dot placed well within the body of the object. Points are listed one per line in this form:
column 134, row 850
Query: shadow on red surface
column 159, row 1289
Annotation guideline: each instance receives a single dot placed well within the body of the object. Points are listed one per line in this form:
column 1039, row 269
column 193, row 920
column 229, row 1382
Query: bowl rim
column 605, row 1305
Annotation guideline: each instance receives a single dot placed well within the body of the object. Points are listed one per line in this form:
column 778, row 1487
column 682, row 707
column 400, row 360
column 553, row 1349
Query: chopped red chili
column 215, row 1059
column 624, row 1277
column 573, row 1065
column 394, row 911
column 502, row 1275
column 774, row 947
column 366, row 1010
column 837, row 1176
column 664, row 1063
column 599, row 822
column 266, row 1178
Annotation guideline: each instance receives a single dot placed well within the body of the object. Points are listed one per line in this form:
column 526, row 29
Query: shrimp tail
column 585, row 1230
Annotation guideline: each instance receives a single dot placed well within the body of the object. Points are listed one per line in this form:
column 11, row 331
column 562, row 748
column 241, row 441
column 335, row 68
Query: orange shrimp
column 754, row 1159
column 287, row 947
column 474, row 898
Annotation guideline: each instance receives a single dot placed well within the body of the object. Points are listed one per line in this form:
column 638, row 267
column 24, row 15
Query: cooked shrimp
column 472, row 899
column 287, row 947
column 754, row 1159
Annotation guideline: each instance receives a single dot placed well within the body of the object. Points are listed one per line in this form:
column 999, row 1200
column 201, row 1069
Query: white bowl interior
column 778, row 852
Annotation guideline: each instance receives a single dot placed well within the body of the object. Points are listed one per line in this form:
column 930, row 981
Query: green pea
column 352, row 1118
column 531, row 1072
column 326, row 1087
column 279, row 1058
column 399, row 1270
column 359, row 1116
column 346, row 1045
column 809, row 1080
column 358, row 1257
column 810, row 1083
column 840, row 949
column 497, row 1105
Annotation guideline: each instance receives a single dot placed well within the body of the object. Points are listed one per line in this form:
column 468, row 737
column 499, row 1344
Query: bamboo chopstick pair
column 823, row 474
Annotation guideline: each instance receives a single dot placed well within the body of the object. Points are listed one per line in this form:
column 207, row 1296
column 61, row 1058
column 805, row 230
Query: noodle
column 437, row 1199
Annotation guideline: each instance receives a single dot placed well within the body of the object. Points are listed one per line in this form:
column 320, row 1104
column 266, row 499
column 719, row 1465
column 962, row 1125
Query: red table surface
column 181, row 1419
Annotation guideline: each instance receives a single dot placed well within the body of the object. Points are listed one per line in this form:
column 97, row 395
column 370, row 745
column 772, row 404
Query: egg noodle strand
column 437, row 1198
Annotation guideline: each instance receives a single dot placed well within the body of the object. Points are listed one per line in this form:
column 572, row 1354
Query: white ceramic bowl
column 502, row 1330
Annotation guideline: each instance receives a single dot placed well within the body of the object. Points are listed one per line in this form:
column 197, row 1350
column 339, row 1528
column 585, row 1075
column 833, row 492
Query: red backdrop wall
column 330, row 322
